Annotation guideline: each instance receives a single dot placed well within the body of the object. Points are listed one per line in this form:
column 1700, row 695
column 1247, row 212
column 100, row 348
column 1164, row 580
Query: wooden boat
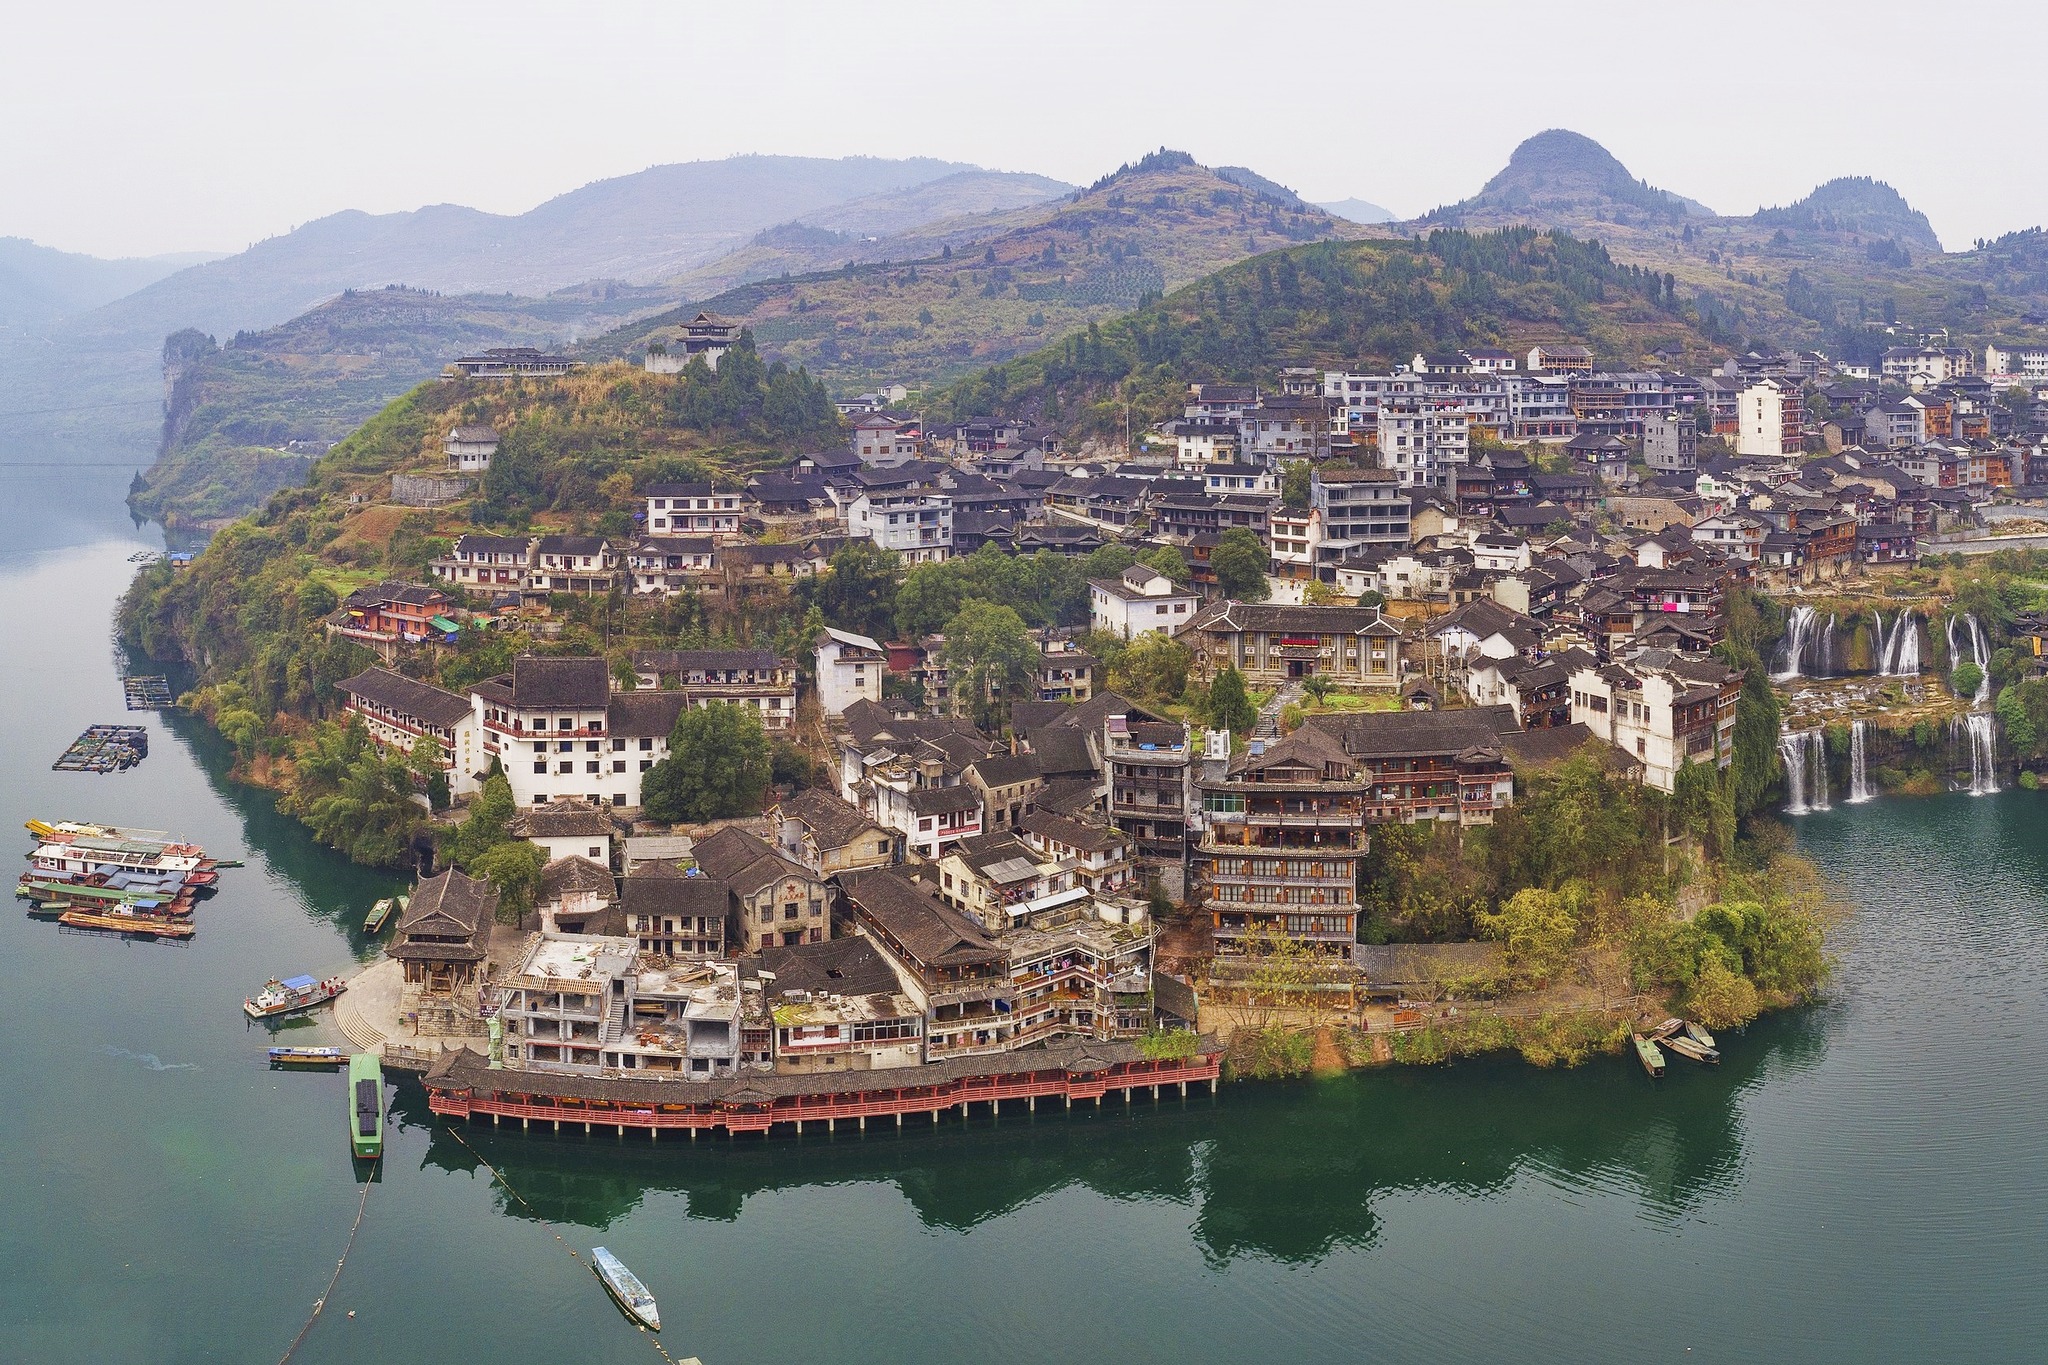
column 1667, row 1029
column 366, row 1106
column 127, row 922
column 307, row 1056
column 291, row 996
column 1649, row 1055
column 1700, row 1035
column 379, row 912
column 1686, row 1047
column 624, row 1286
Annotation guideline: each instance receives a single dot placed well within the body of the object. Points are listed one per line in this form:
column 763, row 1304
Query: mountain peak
column 1854, row 204
column 1559, row 172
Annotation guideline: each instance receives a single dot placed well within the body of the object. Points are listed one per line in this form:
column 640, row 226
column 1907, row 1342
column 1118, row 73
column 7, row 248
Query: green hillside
column 1149, row 227
column 246, row 419
column 1340, row 304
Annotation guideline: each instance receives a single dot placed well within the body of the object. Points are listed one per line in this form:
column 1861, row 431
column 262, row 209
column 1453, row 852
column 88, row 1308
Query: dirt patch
column 1328, row 1059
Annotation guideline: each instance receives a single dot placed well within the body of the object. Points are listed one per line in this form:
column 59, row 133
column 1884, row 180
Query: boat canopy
column 300, row 983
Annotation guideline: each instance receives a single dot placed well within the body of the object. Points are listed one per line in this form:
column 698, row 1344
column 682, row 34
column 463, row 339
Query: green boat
column 1649, row 1054
column 366, row 1106
column 379, row 912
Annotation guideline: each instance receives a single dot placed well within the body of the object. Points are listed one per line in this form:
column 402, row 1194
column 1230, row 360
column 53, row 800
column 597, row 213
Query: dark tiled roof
column 452, row 906
column 943, row 800
column 579, row 684
column 912, row 914
column 840, row 966
column 407, row 696
column 565, row 875
column 831, row 821
column 1006, row 770
column 1414, row 734
column 662, row 889
column 745, row 861
column 567, row 818
column 1074, row 833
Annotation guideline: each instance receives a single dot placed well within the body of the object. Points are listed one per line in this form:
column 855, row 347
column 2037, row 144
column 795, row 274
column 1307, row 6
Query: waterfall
column 1806, row 770
column 1901, row 657
column 1878, row 649
column 1983, row 653
column 1982, row 729
column 1859, row 781
column 1827, row 650
column 1797, row 628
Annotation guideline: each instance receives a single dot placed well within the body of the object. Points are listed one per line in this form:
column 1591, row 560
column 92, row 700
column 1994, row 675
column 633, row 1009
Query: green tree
column 1965, row 681
column 1295, row 489
column 718, row 765
column 858, row 591
column 514, row 868
column 991, row 656
column 1230, row 706
column 1168, row 559
column 1538, row 928
column 1240, row 562
column 487, row 825
column 424, row 761
column 1153, row 667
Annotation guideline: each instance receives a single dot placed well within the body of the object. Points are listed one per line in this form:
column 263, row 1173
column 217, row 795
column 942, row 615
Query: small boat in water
column 366, row 1106
column 1686, row 1047
column 117, row 921
column 625, row 1286
column 379, row 912
column 1649, row 1054
column 1700, row 1035
column 291, row 996
column 307, row 1056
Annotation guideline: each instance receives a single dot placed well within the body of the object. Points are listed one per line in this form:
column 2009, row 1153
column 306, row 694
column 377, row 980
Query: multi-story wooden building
column 1272, row 644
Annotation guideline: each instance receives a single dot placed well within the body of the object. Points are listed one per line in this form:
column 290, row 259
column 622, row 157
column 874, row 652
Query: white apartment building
column 1769, row 414
column 1141, row 600
column 1664, row 709
column 691, row 509
column 559, row 732
column 1422, row 437
column 849, row 670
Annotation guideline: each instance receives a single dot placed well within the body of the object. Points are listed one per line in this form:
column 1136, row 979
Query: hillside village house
column 776, row 901
column 398, row 711
column 388, row 614
column 1141, row 599
column 829, row 836
column 663, row 566
column 881, row 441
column 585, row 564
column 469, row 448
column 511, row 362
column 560, row 731
column 568, row 828
column 498, row 563
column 1664, row 709
column 691, row 509
column 849, row 669
column 838, row 1006
column 743, row 677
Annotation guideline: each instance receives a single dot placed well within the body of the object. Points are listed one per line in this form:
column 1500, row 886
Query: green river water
column 1862, row 1180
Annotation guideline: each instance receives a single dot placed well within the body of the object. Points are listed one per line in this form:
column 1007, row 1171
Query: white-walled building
column 397, row 711
column 691, row 509
column 1663, row 708
column 1141, row 599
column 849, row 670
column 560, row 732
column 1769, row 414
column 1422, row 437
column 470, row 447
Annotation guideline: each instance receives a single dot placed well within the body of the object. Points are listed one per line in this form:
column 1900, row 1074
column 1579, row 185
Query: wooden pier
column 105, row 749
column 461, row 1085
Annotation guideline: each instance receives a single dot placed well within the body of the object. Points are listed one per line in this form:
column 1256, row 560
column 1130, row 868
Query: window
column 645, row 764
column 618, row 765
column 541, row 766
column 566, row 766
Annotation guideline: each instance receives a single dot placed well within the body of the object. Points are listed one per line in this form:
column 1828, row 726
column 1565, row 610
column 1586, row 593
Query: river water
column 1861, row 1181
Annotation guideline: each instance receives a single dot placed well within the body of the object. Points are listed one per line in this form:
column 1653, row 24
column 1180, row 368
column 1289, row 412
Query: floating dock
column 105, row 749
column 147, row 692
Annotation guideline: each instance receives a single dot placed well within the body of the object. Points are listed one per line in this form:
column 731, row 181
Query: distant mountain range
column 39, row 284
column 1358, row 210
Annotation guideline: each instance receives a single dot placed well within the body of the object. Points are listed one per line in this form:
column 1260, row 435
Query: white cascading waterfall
column 1902, row 650
column 1798, row 627
column 1880, row 648
column 1981, row 729
column 1983, row 652
column 1859, row 778
column 1806, row 770
column 1827, row 650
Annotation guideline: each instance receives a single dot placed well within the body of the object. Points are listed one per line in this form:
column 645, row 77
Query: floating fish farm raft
column 105, row 749
column 147, row 693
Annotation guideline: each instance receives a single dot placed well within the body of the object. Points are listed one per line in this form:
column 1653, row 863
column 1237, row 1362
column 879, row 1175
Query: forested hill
column 943, row 307
column 1368, row 304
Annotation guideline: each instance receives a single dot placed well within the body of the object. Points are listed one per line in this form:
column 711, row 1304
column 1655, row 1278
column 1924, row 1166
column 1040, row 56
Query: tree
column 1230, row 706
column 990, row 654
column 858, row 592
column 1372, row 597
column 1153, row 667
column 1538, row 928
column 1295, row 489
column 718, row 765
column 1240, row 561
column 1965, row 681
column 514, row 868
column 486, row 826
column 424, row 762
column 1168, row 559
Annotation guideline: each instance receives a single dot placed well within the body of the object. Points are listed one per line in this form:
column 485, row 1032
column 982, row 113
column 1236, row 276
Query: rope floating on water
column 321, row 1302
column 577, row 1256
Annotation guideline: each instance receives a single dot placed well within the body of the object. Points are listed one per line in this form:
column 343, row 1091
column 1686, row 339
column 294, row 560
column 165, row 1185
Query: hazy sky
column 145, row 128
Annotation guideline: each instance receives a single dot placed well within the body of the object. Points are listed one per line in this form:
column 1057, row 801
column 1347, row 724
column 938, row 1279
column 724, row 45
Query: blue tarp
column 299, row 983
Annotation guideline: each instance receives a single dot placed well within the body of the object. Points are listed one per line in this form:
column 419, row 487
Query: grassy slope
column 321, row 375
column 1054, row 271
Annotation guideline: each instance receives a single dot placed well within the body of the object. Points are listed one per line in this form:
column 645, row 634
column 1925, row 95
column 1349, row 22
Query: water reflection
column 1288, row 1172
